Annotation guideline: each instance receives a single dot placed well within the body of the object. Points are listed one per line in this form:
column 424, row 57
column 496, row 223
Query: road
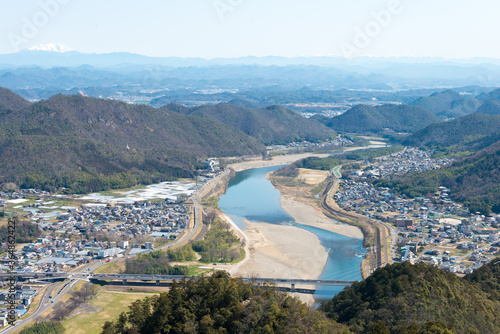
column 198, row 210
column 384, row 252
column 46, row 303
column 41, row 308
column 83, row 274
column 248, row 279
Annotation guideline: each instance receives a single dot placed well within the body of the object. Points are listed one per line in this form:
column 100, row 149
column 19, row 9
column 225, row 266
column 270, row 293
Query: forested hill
column 448, row 104
column 473, row 180
column 472, row 132
column 474, row 177
column 493, row 95
column 89, row 144
column 400, row 298
column 490, row 107
column 139, row 126
column 272, row 125
column 220, row 304
column 364, row 119
column 405, row 298
column 11, row 100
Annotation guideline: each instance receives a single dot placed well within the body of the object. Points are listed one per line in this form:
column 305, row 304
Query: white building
column 123, row 244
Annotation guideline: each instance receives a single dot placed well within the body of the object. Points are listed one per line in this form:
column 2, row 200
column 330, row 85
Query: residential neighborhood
column 433, row 229
column 23, row 296
column 96, row 229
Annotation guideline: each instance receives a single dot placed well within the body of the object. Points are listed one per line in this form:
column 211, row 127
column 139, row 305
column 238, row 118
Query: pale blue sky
column 194, row 28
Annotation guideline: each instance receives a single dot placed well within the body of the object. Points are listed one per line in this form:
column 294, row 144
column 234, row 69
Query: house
column 404, row 223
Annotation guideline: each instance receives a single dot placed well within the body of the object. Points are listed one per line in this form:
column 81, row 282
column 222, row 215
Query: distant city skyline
column 238, row 28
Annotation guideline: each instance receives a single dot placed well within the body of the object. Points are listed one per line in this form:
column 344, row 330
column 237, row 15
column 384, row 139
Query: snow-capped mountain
column 52, row 47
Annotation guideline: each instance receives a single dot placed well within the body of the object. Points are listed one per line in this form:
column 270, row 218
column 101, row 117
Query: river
column 251, row 196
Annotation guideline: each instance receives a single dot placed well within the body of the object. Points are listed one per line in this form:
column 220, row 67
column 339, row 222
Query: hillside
column 272, row 125
column 473, row 180
column 405, row 298
column 11, row 100
column 472, row 132
column 220, row 304
column 493, row 95
column 487, row 279
column 364, row 119
column 87, row 144
column 490, row 107
column 448, row 104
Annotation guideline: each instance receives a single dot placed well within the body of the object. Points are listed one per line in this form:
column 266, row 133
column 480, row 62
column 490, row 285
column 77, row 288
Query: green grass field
column 111, row 304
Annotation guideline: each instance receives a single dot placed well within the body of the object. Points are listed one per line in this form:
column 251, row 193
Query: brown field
column 312, row 177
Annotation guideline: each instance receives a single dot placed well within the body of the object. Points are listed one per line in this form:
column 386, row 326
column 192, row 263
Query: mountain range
column 448, row 104
column 318, row 72
column 490, row 107
column 89, row 144
column 368, row 119
column 56, row 54
column 272, row 125
column 468, row 133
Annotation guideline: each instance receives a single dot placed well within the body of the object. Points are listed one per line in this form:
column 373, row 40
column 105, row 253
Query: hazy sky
column 234, row 28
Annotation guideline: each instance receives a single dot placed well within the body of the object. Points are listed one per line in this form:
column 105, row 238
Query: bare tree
column 89, row 291
column 210, row 216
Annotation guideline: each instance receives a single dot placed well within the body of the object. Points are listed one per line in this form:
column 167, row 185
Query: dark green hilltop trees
column 491, row 107
column 220, row 304
column 26, row 232
column 405, row 298
column 397, row 299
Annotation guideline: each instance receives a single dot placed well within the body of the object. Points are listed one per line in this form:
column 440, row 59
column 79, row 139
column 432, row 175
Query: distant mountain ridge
column 372, row 73
column 448, row 104
column 397, row 118
column 490, row 107
column 492, row 95
column 27, row 57
column 472, row 132
column 272, row 125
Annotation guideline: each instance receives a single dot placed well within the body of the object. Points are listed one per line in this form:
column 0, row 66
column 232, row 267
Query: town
column 80, row 229
column 98, row 230
column 433, row 229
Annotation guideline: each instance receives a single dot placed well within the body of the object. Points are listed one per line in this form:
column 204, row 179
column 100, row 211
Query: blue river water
column 251, row 196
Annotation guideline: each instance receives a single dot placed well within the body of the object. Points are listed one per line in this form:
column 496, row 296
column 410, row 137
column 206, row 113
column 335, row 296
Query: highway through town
column 46, row 303
column 58, row 290
column 86, row 272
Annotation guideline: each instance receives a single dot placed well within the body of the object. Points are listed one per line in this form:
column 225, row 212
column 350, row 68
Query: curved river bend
column 251, row 196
